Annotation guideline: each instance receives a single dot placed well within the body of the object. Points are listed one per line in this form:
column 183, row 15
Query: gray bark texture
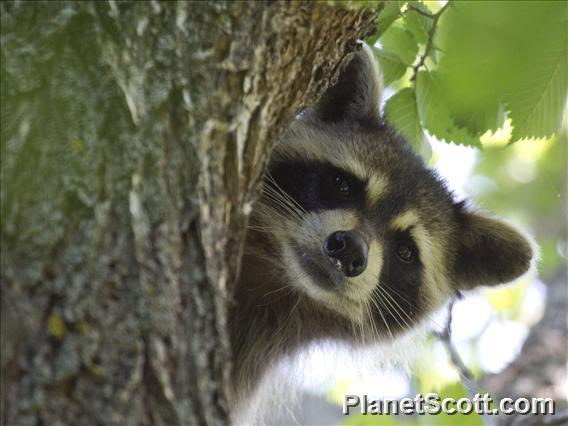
column 134, row 136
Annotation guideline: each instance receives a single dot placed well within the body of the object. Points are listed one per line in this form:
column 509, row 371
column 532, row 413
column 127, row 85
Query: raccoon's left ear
column 489, row 252
column 357, row 93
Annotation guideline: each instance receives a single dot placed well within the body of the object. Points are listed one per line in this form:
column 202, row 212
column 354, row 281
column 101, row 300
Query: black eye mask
column 316, row 185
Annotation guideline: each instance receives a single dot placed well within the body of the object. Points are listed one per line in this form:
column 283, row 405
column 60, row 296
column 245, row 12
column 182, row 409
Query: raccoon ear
column 357, row 93
column 489, row 252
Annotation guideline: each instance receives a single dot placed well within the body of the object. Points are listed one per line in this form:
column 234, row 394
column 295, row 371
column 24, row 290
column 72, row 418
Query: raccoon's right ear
column 357, row 93
column 489, row 251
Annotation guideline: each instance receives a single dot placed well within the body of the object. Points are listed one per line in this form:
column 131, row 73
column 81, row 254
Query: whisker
column 279, row 202
column 374, row 330
column 269, row 175
column 398, row 293
column 290, row 290
column 394, row 311
column 283, row 198
column 383, row 317
column 277, row 290
column 399, row 307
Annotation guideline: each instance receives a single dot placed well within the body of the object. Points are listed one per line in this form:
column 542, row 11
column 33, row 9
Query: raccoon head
column 361, row 226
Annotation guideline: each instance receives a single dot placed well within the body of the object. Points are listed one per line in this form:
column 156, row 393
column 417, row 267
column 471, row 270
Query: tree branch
column 467, row 378
column 431, row 34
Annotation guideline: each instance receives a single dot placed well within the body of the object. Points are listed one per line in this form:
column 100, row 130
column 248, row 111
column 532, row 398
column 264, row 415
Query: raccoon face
column 362, row 227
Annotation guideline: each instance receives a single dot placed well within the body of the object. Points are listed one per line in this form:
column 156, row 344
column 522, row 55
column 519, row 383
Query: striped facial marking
column 376, row 187
column 314, row 185
column 432, row 284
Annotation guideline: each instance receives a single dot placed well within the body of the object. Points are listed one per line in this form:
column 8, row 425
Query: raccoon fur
column 354, row 239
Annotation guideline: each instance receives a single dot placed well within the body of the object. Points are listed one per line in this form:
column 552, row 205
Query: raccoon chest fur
column 354, row 239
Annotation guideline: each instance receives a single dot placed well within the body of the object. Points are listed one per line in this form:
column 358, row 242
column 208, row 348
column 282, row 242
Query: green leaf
column 434, row 114
column 401, row 112
column 400, row 42
column 434, row 55
column 473, row 75
column 418, row 24
column 537, row 99
column 389, row 14
column 504, row 55
column 392, row 66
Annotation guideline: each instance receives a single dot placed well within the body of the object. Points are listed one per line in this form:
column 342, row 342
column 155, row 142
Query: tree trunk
column 134, row 136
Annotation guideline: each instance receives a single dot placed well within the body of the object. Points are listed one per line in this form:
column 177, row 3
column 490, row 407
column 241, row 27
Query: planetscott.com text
column 432, row 404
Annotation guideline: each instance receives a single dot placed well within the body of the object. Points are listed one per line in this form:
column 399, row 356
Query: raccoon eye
column 342, row 184
column 405, row 254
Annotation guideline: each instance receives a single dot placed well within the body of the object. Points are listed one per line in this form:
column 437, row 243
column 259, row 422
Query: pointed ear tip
column 373, row 78
column 374, row 68
column 366, row 49
column 355, row 94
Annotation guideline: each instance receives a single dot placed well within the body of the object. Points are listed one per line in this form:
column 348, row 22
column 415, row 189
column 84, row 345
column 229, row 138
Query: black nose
column 347, row 251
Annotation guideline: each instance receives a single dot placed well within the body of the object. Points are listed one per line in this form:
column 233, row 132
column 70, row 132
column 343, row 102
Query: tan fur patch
column 321, row 148
column 436, row 284
column 405, row 220
column 376, row 188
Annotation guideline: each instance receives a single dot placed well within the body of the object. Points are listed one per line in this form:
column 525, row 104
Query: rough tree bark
column 134, row 137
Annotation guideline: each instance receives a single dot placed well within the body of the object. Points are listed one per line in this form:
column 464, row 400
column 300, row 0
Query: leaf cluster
column 461, row 69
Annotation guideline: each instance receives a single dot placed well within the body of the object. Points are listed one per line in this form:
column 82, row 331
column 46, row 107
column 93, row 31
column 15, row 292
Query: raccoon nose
column 347, row 251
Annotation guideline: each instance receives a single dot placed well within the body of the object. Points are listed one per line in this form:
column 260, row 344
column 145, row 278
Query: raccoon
column 354, row 239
